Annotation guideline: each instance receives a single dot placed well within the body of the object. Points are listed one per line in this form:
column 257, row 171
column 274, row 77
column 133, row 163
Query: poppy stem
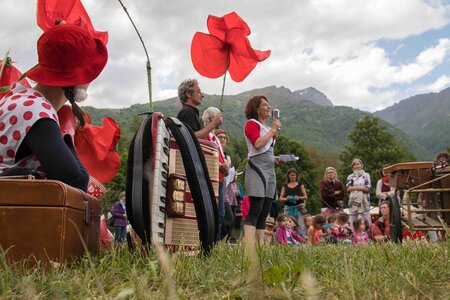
column 149, row 68
column 224, row 78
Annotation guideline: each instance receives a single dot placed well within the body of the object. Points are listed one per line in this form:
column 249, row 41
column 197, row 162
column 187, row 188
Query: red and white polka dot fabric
column 20, row 108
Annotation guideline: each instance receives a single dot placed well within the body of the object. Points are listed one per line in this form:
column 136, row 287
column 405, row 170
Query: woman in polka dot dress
column 69, row 59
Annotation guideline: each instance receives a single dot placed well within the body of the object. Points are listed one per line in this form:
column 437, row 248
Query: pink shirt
column 360, row 238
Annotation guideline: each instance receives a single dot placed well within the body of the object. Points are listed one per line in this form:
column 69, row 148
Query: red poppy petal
column 70, row 11
column 218, row 26
column 96, row 149
column 243, row 58
column 209, row 55
column 240, row 46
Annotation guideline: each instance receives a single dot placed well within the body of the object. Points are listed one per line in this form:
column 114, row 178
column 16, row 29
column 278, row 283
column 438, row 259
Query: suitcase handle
column 28, row 176
column 87, row 213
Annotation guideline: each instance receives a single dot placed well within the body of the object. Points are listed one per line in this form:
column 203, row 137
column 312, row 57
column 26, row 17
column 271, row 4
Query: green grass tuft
column 391, row 271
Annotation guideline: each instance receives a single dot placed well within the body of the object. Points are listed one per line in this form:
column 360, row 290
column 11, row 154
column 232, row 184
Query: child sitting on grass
column 307, row 220
column 360, row 236
column 268, row 231
column 315, row 231
column 343, row 234
column 285, row 234
column 329, row 224
column 292, row 222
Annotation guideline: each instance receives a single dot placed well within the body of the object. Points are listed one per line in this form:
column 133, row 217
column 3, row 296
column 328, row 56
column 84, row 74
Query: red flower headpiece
column 53, row 12
column 225, row 48
column 8, row 75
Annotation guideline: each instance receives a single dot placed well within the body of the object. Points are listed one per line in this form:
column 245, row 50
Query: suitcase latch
column 87, row 213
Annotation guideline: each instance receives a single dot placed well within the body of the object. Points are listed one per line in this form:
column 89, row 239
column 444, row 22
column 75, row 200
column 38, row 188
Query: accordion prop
column 172, row 185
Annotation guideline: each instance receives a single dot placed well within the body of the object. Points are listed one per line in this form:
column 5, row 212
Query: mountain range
column 310, row 117
column 425, row 117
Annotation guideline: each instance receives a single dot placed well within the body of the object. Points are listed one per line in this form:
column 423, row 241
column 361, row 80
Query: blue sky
column 406, row 50
column 364, row 54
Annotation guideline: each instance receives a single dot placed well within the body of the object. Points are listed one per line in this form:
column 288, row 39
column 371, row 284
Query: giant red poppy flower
column 53, row 12
column 225, row 48
column 9, row 75
column 95, row 145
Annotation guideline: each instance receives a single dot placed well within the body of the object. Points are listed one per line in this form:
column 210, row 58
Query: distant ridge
column 284, row 94
column 321, row 126
column 314, row 96
column 425, row 117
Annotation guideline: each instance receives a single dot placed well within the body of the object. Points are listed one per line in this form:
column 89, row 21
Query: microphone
column 275, row 113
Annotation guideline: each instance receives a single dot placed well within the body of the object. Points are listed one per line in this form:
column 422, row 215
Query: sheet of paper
column 288, row 157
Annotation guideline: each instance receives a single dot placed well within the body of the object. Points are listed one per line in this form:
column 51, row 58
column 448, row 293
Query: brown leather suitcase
column 36, row 221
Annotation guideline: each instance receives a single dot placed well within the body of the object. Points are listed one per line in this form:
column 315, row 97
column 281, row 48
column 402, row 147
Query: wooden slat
column 409, row 166
column 418, row 223
column 426, row 221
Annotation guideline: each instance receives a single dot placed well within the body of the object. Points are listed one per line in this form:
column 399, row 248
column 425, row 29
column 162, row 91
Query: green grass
column 391, row 271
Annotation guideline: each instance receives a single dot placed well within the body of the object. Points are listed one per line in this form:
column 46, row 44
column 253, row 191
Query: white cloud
column 330, row 45
column 441, row 83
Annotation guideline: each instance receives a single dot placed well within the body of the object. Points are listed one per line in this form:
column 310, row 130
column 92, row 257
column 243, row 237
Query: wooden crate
column 410, row 174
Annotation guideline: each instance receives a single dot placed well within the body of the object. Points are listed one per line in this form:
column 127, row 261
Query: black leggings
column 258, row 212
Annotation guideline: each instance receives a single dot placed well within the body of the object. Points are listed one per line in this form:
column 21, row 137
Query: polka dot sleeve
column 19, row 110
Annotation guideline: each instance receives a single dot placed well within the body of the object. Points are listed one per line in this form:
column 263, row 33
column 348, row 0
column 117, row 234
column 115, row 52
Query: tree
column 376, row 147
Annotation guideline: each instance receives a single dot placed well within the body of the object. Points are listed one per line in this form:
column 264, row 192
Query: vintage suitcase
column 39, row 221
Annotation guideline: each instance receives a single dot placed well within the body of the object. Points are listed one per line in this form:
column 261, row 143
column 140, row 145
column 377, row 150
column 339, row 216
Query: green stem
column 149, row 68
column 6, row 61
column 227, row 64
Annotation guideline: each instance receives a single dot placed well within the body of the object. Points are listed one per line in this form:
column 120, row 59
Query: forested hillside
column 325, row 128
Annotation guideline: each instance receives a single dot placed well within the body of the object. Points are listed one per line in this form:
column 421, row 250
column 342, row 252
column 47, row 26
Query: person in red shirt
column 260, row 181
column 380, row 231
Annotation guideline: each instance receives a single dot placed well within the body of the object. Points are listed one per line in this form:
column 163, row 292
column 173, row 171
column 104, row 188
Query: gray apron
column 260, row 178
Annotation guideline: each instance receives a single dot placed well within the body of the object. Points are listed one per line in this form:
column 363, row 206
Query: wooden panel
column 423, row 221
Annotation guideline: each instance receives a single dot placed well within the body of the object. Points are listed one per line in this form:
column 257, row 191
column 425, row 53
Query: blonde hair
column 328, row 169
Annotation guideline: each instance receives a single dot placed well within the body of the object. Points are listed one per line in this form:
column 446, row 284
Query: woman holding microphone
column 260, row 181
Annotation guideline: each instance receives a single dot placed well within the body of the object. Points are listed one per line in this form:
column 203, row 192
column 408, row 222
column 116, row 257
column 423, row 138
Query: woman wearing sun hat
column 69, row 59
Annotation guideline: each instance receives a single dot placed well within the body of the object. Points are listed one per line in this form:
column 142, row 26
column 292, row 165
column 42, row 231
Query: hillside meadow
column 389, row 271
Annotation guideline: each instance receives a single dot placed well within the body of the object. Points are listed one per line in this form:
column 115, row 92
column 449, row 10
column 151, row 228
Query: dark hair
column 294, row 220
column 281, row 217
column 384, row 202
column 381, row 170
column 69, row 92
column 357, row 223
column 318, row 220
column 251, row 108
column 306, row 217
column 291, row 170
column 343, row 217
column 331, row 218
column 443, row 155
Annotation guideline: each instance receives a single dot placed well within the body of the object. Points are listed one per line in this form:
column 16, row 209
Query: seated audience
column 380, row 231
column 285, row 234
column 315, row 231
column 360, row 236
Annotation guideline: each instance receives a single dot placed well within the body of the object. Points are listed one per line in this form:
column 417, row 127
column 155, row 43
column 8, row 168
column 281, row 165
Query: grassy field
column 390, row 271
